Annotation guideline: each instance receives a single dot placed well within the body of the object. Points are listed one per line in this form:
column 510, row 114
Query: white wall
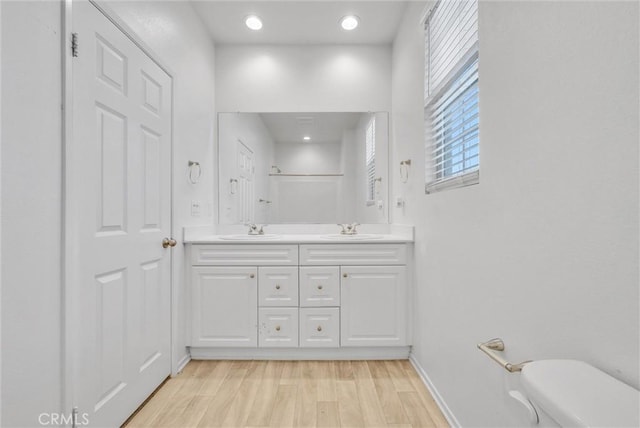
column 31, row 211
column 544, row 251
column 350, row 179
column 308, row 199
column 254, row 134
column 309, row 158
column 31, row 179
column 267, row 78
column 175, row 33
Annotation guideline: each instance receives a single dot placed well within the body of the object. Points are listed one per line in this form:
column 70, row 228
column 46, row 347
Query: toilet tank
column 576, row 394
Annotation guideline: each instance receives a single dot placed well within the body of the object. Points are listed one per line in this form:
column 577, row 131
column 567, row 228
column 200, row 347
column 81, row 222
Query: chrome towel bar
column 490, row 347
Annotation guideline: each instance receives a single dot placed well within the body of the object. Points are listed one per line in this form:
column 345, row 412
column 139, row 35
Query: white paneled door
column 119, row 180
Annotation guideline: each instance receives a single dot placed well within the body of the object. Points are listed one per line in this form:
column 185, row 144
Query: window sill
column 464, row 180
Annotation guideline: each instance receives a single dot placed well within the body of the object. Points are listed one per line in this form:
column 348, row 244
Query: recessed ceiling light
column 349, row 22
column 253, row 22
column 306, row 138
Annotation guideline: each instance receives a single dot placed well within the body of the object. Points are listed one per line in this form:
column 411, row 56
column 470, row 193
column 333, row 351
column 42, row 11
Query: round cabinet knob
column 319, row 287
column 252, row 276
column 344, row 275
column 278, row 287
column 319, row 328
column 277, row 328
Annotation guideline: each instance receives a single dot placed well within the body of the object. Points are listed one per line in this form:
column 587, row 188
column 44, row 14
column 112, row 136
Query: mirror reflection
column 303, row 167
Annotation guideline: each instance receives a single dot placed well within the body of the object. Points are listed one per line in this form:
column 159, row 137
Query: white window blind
column 451, row 32
column 370, row 159
column 451, row 95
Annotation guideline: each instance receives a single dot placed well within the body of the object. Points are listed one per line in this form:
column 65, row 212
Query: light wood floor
column 292, row 394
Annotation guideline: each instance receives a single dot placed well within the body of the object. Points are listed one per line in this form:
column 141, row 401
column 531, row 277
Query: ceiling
column 301, row 22
column 321, row 127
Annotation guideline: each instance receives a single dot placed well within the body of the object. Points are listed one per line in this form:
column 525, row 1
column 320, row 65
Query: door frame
column 69, row 264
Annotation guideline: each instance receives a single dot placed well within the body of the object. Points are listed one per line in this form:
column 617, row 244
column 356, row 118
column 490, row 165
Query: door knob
column 169, row 242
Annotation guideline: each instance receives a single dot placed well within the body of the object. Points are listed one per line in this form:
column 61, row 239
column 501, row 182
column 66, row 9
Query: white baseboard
column 183, row 363
column 379, row 353
column 453, row 422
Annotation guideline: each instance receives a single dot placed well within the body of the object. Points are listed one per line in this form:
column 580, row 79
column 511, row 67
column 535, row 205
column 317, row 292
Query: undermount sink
column 357, row 237
column 247, row 237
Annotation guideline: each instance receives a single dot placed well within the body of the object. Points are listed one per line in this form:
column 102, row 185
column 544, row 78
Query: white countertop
column 301, row 239
column 298, row 234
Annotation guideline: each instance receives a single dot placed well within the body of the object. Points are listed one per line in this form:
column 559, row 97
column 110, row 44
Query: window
column 451, row 95
column 370, row 160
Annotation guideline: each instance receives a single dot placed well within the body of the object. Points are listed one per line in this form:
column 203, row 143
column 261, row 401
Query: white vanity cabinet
column 333, row 300
column 226, row 284
column 373, row 290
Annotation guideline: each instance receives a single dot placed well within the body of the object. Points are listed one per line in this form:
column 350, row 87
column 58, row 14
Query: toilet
column 575, row 394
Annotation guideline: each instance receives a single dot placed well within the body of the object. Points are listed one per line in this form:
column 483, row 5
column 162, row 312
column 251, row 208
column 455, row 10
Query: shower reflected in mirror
column 303, row 167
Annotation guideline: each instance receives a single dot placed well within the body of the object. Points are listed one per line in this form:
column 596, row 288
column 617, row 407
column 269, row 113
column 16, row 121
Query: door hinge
column 74, row 45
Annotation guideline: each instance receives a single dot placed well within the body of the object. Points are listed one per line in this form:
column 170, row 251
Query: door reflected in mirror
column 303, row 167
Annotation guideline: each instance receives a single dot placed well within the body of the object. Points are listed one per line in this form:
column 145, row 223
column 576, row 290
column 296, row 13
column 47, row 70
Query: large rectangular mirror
column 303, row 167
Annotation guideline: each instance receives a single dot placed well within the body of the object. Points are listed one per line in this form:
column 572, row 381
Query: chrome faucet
column 255, row 230
column 349, row 229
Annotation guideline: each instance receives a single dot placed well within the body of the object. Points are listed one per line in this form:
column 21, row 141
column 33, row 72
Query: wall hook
column 233, row 186
column 195, row 171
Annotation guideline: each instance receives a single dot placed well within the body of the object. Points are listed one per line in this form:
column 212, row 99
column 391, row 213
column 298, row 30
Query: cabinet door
column 224, row 304
column 373, row 306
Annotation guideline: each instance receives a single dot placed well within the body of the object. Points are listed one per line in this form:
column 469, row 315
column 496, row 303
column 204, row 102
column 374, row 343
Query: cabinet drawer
column 319, row 327
column 244, row 255
column 353, row 254
column 278, row 327
column 319, row 286
column 278, row 286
